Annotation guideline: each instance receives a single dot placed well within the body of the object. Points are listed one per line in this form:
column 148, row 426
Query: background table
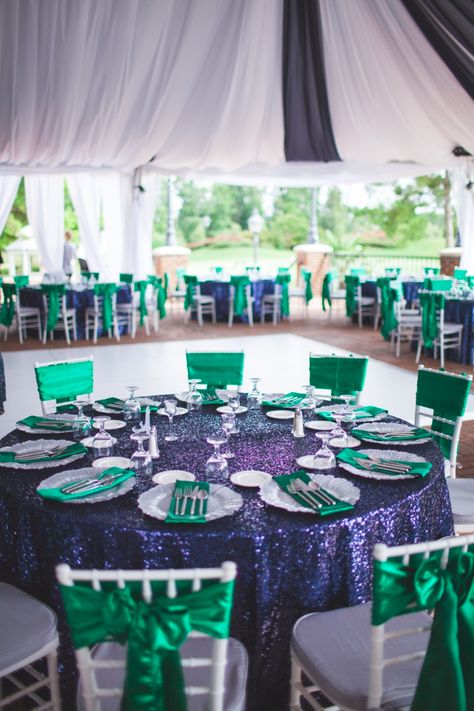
column 288, row 564
column 220, row 290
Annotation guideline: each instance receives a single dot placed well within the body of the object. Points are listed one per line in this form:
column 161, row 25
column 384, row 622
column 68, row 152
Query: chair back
column 387, row 297
column 88, row 275
column 460, row 274
column 63, row 382
column 216, row 369
column 432, row 314
column 328, row 288
column 358, row 271
column 353, row 292
column 126, row 278
column 431, row 271
column 54, row 300
column 21, row 280
column 192, row 286
column 392, row 272
column 10, row 304
column 414, row 578
column 440, row 284
column 240, row 293
column 443, row 396
column 206, row 594
column 341, row 375
column 105, row 302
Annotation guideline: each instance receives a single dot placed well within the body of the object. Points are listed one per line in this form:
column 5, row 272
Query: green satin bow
column 106, row 291
column 326, row 291
column 54, row 293
column 7, row 311
column 141, row 287
column 153, row 632
column 308, row 292
column 352, row 282
column 447, row 675
column 240, row 295
column 429, row 320
column 283, row 280
column 191, row 283
column 389, row 296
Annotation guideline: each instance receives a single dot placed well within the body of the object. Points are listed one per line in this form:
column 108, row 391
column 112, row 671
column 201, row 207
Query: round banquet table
column 220, row 290
column 288, row 563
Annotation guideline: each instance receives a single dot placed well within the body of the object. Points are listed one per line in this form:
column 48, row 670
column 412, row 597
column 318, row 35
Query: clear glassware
column 81, row 424
column 347, row 400
column 103, row 443
column 254, row 398
column 141, row 461
column 216, row 465
column 309, row 401
column 132, row 409
column 171, row 406
column 228, row 425
column 338, row 432
column 194, row 397
column 324, row 458
column 233, row 401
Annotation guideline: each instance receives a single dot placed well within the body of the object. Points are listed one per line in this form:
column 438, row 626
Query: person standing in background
column 69, row 254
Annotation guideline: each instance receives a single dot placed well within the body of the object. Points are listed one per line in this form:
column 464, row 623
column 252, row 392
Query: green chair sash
column 283, row 279
column 389, row 271
column 141, row 287
column 389, row 296
column 21, row 281
column 326, row 291
column 437, row 284
column 447, row 396
column 106, row 291
column 7, row 311
column 352, row 282
column 430, row 303
column 153, row 633
column 64, row 382
column 252, row 269
column 126, row 278
column 427, row 271
column 447, row 676
column 161, row 296
column 341, row 375
column 54, row 294
column 191, row 282
column 240, row 295
column 166, row 284
column 308, row 292
column 460, row 274
column 358, row 271
column 216, row 369
column 88, row 275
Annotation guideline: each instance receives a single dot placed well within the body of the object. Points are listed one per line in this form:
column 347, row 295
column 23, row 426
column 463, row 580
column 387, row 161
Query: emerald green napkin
column 69, row 451
column 115, row 403
column 45, row 423
column 284, row 479
column 209, row 397
column 186, row 518
column 416, row 468
column 418, row 433
column 289, row 400
column 120, row 475
column 361, row 413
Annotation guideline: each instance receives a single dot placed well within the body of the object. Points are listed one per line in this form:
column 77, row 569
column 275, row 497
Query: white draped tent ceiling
column 289, row 91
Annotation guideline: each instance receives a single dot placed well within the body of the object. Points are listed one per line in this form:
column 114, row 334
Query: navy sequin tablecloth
column 288, row 564
column 220, row 290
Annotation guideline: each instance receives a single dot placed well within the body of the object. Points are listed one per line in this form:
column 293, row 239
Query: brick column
column 168, row 259
column 449, row 259
column 316, row 258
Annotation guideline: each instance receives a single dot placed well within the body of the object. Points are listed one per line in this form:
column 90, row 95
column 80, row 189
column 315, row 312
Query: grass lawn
column 234, row 259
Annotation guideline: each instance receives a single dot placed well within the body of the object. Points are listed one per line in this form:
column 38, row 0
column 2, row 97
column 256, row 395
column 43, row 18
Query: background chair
column 365, row 306
column 331, row 292
column 271, row 305
column 341, row 375
column 202, row 304
column 304, row 290
column 63, row 382
column 435, row 331
column 216, row 369
column 135, row 312
column 214, row 667
column 408, row 326
column 57, row 316
column 29, row 634
column 156, row 301
column 240, row 298
column 372, row 657
column 104, row 312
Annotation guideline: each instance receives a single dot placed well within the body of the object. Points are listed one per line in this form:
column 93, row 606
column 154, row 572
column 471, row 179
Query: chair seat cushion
column 27, row 625
column 204, row 299
column 334, row 649
column 338, row 294
column 452, row 327
column 461, row 493
column 298, row 291
column 366, row 301
column 235, row 674
column 29, row 311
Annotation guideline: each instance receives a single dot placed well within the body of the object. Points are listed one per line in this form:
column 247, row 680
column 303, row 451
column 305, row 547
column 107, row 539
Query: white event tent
column 110, row 94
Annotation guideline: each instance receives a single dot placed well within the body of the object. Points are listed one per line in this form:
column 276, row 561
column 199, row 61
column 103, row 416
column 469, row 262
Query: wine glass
column 132, row 409
column 170, row 411
column 81, row 424
column 309, row 401
column 347, row 403
column 102, row 444
column 338, row 432
column 233, row 401
column 228, row 425
column 141, row 461
column 216, row 465
column 194, row 397
column 324, row 458
column 254, row 398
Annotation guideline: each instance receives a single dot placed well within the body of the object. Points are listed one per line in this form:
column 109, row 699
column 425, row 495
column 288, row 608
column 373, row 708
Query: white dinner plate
column 36, row 444
column 383, row 454
column 319, row 425
column 111, row 425
column 222, row 501
column 63, row 478
column 98, row 407
column 307, row 462
column 386, row 428
column 280, row 414
column 63, row 417
column 341, row 408
column 179, row 411
column 341, row 443
column 226, row 410
column 87, row 442
column 342, row 489
column 170, row 476
column 250, row 478
column 106, row 462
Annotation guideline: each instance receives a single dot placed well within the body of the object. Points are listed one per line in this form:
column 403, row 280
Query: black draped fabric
column 308, row 129
column 449, row 26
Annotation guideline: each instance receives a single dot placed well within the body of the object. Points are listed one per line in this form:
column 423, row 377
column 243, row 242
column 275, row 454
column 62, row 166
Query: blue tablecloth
column 288, row 564
column 220, row 291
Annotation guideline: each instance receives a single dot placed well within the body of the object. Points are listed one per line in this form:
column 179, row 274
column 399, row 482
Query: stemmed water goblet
column 324, row 458
column 194, row 397
column 233, row 401
column 81, row 424
column 132, row 409
column 228, row 425
column 171, row 407
column 216, row 465
column 254, row 398
column 338, row 433
column 103, row 443
column 141, row 461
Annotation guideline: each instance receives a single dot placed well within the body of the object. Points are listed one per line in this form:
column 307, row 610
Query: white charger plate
column 341, row 443
column 63, row 478
column 307, row 462
column 383, row 454
column 342, row 489
column 179, row 411
column 32, row 446
column 98, row 407
column 111, row 425
column 341, row 408
column 386, row 427
column 170, row 476
column 280, row 414
column 227, row 410
column 250, row 478
column 63, row 416
column 87, row 441
column 320, row 425
column 106, row 462
column 221, row 502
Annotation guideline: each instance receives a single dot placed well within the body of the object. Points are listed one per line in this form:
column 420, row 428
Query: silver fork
column 178, row 495
column 302, row 486
column 193, row 496
column 293, row 488
column 39, row 452
column 202, row 496
column 366, row 464
column 187, row 489
column 322, row 494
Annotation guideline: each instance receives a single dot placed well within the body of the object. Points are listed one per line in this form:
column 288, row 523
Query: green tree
column 289, row 224
column 221, row 210
column 193, row 210
column 246, row 200
column 336, row 222
column 17, row 218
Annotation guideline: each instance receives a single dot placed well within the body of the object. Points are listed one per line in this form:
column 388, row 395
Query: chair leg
column 231, row 314
column 359, row 311
column 250, row 314
column 20, row 329
column 74, row 327
column 199, row 314
column 213, row 312
column 52, row 661
column 116, row 328
column 96, row 328
column 66, row 330
column 418, row 350
column 147, row 325
column 133, row 324
column 275, row 312
column 398, row 340
column 441, row 348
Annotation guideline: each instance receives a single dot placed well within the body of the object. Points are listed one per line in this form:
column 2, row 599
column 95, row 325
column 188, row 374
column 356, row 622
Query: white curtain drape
column 138, row 247
column 8, row 190
column 84, row 189
column 45, row 209
column 463, row 200
column 117, row 210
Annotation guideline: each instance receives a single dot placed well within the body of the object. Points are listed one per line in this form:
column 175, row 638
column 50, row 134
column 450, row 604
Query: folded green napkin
column 120, row 475
column 360, row 413
column 416, row 468
column 418, row 433
column 209, row 397
column 69, row 451
column 289, row 400
column 186, row 518
column 45, row 423
column 284, row 479
column 115, row 403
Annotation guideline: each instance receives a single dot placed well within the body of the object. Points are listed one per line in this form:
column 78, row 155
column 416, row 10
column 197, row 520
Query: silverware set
column 40, row 453
column 88, row 485
column 195, row 495
column 311, row 492
column 373, row 463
